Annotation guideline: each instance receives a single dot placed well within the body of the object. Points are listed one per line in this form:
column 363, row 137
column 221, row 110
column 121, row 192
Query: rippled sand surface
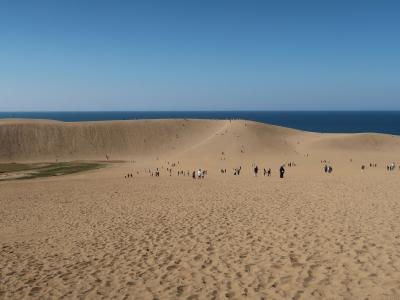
column 224, row 237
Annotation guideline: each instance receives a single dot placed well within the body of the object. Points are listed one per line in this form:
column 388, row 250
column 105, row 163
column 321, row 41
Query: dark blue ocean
column 318, row 121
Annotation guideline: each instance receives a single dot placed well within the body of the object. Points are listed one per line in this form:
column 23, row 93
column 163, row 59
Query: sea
column 387, row 122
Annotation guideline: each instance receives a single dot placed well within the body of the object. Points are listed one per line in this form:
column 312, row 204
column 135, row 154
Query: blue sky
column 199, row 55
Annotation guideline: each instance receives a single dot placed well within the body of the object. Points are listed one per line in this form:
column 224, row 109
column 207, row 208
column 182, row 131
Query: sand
column 98, row 235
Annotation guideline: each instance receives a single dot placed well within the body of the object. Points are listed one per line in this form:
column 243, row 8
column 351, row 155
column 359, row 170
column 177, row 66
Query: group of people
column 183, row 173
column 256, row 169
column 328, row 169
column 371, row 165
column 223, row 156
column 236, row 171
column 172, row 164
column 195, row 174
column 267, row 172
column 200, row 174
column 155, row 173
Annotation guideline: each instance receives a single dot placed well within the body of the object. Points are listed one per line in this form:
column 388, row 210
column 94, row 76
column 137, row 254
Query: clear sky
column 199, row 55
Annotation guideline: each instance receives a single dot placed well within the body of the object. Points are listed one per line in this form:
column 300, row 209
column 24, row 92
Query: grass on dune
column 37, row 170
column 14, row 167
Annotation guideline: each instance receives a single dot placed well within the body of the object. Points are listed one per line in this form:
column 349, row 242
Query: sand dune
column 29, row 140
column 371, row 142
column 99, row 235
column 24, row 140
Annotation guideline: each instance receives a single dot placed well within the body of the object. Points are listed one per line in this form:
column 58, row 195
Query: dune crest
column 43, row 140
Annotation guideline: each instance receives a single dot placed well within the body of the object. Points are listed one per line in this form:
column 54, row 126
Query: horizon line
column 183, row 111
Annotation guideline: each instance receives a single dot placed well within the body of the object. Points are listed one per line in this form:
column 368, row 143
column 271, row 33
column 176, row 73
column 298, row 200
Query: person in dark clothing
column 269, row 172
column 282, row 171
column 255, row 171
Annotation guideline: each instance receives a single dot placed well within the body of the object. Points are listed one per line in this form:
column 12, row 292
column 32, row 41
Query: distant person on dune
column 282, row 171
column 255, row 171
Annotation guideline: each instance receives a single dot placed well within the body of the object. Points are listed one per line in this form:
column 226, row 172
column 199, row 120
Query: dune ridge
column 43, row 140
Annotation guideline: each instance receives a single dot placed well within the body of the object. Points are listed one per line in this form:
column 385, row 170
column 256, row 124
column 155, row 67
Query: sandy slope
column 99, row 235
column 33, row 140
column 24, row 140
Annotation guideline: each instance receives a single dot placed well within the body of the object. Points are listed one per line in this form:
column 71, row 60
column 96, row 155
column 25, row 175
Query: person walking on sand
column 282, row 171
column 255, row 171
column 269, row 172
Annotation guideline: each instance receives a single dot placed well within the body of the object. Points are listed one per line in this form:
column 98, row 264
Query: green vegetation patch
column 14, row 167
column 12, row 171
